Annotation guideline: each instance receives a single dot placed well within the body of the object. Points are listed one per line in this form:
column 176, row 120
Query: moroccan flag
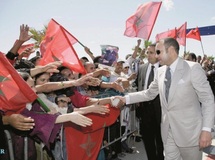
column 181, row 34
column 14, row 91
column 141, row 23
column 57, row 46
column 109, row 54
column 84, row 143
column 194, row 34
column 170, row 33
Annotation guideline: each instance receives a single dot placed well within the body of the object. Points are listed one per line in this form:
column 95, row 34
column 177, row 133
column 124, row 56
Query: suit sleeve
column 145, row 95
column 205, row 95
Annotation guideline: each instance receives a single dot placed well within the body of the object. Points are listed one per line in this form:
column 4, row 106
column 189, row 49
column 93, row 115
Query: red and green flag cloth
column 58, row 46
column 141, row 23
column 84, row 143
column 14, row 91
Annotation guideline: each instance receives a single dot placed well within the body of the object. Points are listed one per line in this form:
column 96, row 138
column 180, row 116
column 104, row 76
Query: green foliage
column 38, row 35
column 140, row 51
column 211, row 58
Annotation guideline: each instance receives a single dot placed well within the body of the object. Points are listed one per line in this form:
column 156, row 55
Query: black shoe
column 137, row 139
column 129, row 150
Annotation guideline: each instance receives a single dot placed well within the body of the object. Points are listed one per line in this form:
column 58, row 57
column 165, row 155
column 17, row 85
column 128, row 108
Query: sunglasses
column 62, row 101
column 126, row 67
column 158, row 52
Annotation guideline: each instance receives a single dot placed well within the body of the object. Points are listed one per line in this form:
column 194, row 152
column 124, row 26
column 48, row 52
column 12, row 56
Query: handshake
column 117, row 101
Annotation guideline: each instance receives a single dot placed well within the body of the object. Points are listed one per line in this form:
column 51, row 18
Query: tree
column 141, row 51
column 38, row 35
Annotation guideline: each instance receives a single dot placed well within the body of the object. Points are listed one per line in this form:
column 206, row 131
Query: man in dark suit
column 150, row 112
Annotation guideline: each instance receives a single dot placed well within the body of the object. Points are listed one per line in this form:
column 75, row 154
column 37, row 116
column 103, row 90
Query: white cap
column 125, row 65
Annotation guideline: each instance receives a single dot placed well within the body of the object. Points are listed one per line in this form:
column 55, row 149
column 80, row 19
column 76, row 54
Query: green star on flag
column 2, row 79
column 88, row 145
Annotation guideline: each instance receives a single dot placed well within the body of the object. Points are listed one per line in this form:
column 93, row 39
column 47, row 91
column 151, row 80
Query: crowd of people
column 174, row 113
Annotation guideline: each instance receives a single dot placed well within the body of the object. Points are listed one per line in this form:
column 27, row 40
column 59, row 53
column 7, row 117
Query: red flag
column 169, row 33
column 85, row 143
column 142, row 22
column 24, row 47
column 181, row 34
column 52, row 29
column 58, row 46
column 14, row 91
column 194, row 34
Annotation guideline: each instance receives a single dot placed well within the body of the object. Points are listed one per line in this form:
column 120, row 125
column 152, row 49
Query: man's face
column 151, row 54
column 161, row 54
column 119, row 67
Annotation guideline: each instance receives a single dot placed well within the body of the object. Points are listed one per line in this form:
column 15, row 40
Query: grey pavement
column 140, row 153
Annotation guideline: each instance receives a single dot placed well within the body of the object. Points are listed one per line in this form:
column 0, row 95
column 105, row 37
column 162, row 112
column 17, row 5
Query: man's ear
column 171, row 49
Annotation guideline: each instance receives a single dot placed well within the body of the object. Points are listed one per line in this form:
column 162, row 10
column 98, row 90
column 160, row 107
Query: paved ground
column 140, row 153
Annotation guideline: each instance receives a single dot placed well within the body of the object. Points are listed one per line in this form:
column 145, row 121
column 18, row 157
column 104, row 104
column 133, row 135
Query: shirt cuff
column 208, row 129
column 127, row 99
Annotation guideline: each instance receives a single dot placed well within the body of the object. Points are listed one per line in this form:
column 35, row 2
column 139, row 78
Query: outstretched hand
column 88, row 80
column 27, row 52
column 79, row 119
column 100, row 109
column 118, row 87
column 52, row 67
column 24, row 36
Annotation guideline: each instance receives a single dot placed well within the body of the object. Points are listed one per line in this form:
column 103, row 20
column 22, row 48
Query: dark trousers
column 150, row 131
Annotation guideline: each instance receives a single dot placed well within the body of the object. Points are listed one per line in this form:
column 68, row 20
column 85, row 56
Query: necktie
column 167, row 82
column 151, row 76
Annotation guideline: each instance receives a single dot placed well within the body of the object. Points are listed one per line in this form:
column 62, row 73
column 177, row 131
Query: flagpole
column 202, row 48
column 43, row 105
column 154, row 20
column 72, row 36
column 184, row 51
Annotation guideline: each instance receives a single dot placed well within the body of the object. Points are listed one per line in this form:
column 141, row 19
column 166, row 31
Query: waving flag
column 142, row 22
column 170, row 33
column 205, row 31
column 194, row 34
column 181, row 34
column 57, row 46
column 84, row 143
column 14, row 91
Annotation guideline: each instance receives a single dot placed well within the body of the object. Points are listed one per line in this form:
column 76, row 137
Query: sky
column 101, row 22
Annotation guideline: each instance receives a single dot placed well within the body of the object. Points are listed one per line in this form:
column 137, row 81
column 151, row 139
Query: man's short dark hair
column 168, row 42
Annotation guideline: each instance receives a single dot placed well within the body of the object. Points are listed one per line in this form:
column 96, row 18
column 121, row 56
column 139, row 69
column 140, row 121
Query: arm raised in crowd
column 87, row 50
column 23, row 37
column 51, row 86
column 49, row 68
column 74, row 117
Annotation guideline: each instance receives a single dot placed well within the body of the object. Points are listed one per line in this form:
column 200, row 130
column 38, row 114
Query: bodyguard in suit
column 187, row 103
column 150, row 112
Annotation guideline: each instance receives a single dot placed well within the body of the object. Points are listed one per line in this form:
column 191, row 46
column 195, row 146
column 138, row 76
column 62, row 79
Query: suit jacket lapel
column 175, row 79
column 161, row 77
